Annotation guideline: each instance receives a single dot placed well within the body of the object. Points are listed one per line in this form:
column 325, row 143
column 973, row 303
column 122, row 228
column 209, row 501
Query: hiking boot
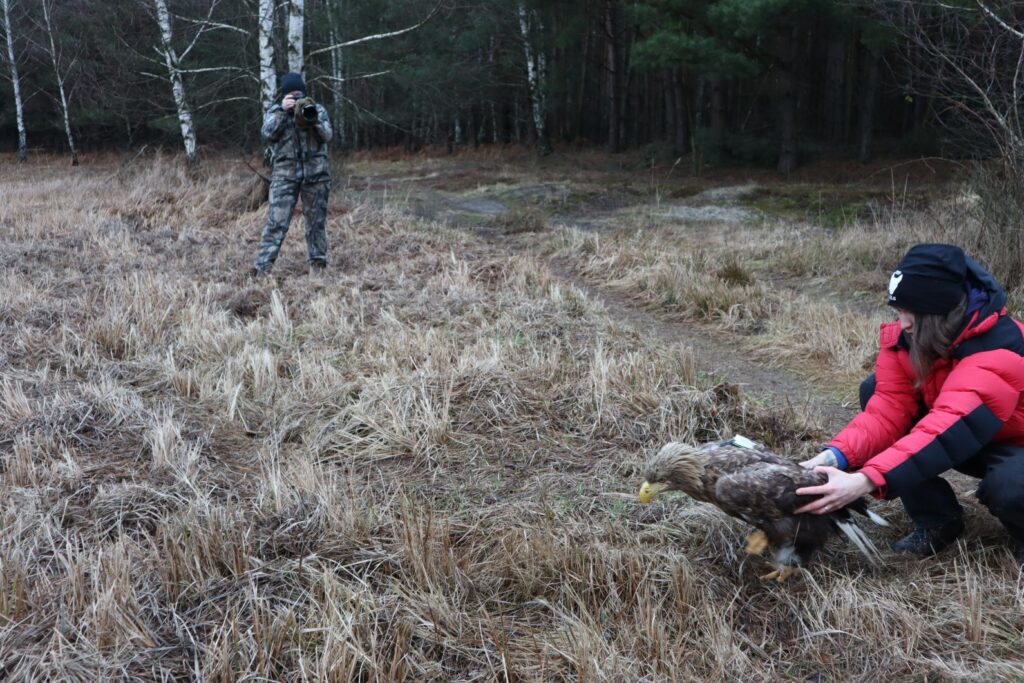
column 926, row 542
column 317, row 268
column 258, row 273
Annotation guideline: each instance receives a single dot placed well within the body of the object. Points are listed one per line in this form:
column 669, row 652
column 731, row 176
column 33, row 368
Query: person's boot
column 317, row 268
column 259, row 273
column 925, row 542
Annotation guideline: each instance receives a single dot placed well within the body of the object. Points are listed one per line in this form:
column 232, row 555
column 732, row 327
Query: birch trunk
column 22, row 138
column 296, row 24
column 268, row 78
column 60, row 84
column 338, row 78
column 188, row 131
column 536, row 73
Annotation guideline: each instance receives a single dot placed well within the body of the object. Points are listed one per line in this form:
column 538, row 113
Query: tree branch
column 335, row 79
column 378, row 36
column 208, row 25
column 999, row 21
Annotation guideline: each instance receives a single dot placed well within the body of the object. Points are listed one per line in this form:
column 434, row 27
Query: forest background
column 761, row 82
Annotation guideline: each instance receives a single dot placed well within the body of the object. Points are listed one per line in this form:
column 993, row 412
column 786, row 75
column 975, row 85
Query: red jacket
column 973, row 398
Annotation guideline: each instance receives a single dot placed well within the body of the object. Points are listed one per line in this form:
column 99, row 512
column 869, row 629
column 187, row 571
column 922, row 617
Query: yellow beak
column 649, row 491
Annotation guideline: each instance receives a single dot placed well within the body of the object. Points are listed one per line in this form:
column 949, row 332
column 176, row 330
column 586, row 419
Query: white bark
column 188, row 132
column 268, row 77
column 60, row 83
column 536, row 73
column 22, row 138
column 296, row 24
column 337, row 78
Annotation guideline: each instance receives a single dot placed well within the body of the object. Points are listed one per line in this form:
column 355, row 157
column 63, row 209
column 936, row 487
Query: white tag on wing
column 743, row 442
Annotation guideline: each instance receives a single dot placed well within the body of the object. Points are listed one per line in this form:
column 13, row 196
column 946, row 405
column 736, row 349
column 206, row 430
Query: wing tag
column 742, row 442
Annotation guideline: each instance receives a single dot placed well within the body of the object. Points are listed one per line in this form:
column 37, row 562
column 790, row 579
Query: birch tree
column 536, row 73
column 19, row 110
column 296, row 26
column 268, row 77
column 55, row 58
column 188, row 131
column 337, row 76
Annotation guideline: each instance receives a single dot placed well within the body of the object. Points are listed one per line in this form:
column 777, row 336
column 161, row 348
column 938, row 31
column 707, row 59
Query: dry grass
column 419, row 467
column 796, row 293
column 522, row 219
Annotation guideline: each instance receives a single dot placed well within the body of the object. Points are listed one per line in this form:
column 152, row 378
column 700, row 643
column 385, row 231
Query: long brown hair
column 933, row 335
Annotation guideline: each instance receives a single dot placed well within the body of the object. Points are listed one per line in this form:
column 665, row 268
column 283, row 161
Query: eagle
column 759, row 487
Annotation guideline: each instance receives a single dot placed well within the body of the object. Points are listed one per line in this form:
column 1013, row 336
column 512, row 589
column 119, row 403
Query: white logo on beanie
column 894, row 282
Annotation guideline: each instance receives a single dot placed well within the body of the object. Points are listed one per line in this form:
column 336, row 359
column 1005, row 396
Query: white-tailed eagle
column 758, row 487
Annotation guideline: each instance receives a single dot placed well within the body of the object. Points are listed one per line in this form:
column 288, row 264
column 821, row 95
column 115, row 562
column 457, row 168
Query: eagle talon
column 780, row 574
column 757, row 543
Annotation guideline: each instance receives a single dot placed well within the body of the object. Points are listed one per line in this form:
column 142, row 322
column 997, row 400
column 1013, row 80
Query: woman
column 946, row 394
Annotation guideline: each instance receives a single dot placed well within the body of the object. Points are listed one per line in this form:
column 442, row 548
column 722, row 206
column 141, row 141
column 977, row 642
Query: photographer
column 298, row 131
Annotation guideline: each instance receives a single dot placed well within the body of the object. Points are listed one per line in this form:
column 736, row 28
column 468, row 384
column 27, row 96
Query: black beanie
column 931, row 278
column 291, row 82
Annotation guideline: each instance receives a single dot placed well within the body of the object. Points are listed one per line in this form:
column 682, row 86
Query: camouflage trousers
column 284, row 192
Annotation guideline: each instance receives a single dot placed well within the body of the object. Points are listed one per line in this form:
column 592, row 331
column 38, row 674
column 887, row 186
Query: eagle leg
column 757, row 543
column 781, row 573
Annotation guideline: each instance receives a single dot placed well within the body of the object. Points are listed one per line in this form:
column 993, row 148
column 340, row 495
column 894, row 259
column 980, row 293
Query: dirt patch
column 482, row 205
column 710, row 213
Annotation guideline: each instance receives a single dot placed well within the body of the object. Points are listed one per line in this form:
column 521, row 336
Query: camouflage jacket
column 298, row 154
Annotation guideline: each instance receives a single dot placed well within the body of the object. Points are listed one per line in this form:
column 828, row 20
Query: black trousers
column 1001, row 470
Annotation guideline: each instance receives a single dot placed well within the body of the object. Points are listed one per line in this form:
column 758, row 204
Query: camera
column 307, row 113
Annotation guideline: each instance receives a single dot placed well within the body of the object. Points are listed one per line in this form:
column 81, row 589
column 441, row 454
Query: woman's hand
column 826, row 457
column 841, row 490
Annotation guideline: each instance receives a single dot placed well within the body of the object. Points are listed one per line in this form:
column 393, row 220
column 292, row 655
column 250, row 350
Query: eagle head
column 676, row 467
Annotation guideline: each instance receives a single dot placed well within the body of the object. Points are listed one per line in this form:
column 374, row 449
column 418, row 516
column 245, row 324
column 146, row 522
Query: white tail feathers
column 876, row 519
column 860, row 539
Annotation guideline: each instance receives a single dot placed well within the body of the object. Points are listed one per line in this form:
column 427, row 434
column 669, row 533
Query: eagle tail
column 860, row 506
column 880, row 521
column 858, row 538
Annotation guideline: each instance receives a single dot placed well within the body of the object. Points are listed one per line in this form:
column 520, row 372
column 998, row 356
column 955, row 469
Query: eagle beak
column 649, row 491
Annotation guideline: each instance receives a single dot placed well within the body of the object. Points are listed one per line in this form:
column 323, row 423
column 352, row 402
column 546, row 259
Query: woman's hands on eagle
column 841, row 489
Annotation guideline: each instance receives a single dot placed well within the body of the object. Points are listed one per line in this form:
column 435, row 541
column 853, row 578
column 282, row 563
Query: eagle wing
column 764, row 495
column 726, row 459
column 764, row 491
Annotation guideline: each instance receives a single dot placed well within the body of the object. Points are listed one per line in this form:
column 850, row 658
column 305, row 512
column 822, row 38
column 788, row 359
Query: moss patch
column 830, row 207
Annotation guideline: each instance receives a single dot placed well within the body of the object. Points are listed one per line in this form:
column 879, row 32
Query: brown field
column 422, row 465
